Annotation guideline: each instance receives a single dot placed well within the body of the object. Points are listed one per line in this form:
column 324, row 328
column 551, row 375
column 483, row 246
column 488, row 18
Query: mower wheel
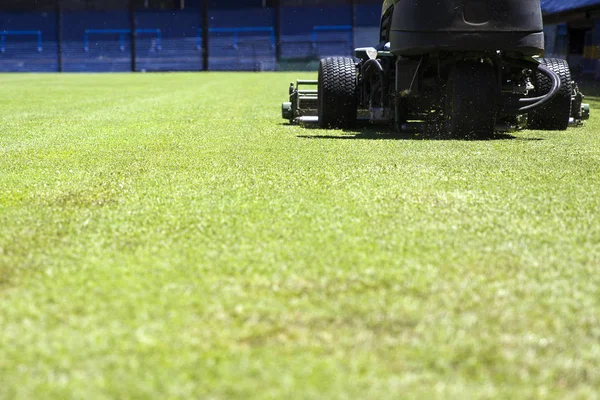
column 554, row 115
column 470, row 103
column 337, row 92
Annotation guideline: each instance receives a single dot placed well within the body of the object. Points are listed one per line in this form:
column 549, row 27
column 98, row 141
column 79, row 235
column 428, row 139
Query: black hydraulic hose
column 369, row 63
column 374, row 65
column 540, row 100
column 548, row 72
column 556, row 85
column 368, row 66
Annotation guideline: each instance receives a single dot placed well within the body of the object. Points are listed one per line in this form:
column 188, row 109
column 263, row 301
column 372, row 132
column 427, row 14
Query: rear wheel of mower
column 470, row 104
column 337, row 92
column 554, row 115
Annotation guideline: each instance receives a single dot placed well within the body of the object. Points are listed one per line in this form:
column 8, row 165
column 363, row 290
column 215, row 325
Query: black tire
column 554, row 115
column 470, row 101
column 337, row 92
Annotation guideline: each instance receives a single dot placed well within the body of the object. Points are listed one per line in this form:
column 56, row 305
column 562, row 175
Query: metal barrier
column 236, row 32
column 332, row 28
column 244, row 47
column 5, row 33
column 121, row 33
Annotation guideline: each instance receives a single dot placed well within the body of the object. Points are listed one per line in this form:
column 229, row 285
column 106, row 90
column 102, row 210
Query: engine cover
column 426, row 26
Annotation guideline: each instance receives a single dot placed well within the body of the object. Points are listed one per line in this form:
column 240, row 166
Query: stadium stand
column 28, row 52
column 239, row 38
column 572, row 31
column 250, row 35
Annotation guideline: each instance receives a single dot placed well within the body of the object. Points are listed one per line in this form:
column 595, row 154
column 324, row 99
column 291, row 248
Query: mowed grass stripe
column 165, row 235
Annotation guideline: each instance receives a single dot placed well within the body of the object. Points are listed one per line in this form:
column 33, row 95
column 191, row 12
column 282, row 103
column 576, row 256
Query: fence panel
column 28, row 42
column 167, row 40
column 96, row 41
column 366, row 30
column 315, row 32
column 238, row 39
column 242, row 40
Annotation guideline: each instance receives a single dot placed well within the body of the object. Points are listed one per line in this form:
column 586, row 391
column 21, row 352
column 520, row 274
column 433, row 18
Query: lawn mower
column 464, row 68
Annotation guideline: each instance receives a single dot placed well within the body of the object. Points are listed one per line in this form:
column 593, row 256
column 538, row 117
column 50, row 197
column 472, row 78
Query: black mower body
column 467, row 68
column 425, row 26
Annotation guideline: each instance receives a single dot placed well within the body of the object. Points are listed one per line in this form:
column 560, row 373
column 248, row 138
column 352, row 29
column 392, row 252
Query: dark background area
column 179, row 35
column 254, row 35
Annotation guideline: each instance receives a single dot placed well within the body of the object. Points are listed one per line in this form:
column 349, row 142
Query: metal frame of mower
column 459, row 83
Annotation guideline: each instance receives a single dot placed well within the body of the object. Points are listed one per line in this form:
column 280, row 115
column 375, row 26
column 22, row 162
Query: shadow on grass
column 385, row 133
column 590, row 88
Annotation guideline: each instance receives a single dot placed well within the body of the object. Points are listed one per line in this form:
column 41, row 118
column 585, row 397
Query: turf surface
column 166, row 236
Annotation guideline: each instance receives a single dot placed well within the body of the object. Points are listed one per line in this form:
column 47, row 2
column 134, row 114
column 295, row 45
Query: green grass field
column 167, row 236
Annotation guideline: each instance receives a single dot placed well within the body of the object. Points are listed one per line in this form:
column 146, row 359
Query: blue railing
column 85, row 42
column 332, row 28
column 5, row 33
column 121, row 33
column 236, row 32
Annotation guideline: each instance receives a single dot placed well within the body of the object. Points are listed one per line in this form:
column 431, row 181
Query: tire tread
column 555, row 114
column 470, row 104
column 337, row 92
